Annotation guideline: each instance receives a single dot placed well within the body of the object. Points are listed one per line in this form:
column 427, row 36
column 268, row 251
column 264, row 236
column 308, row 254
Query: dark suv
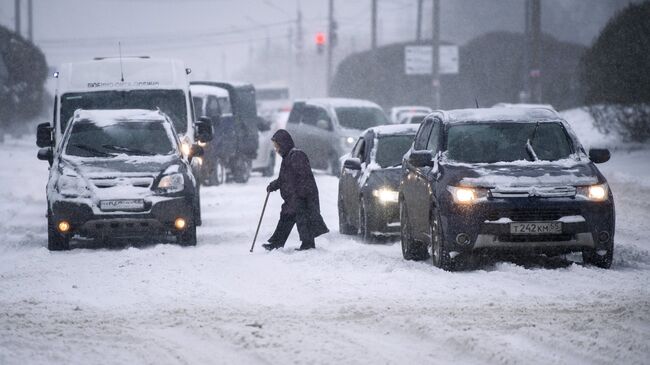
column 119, row 173
column 479, row 181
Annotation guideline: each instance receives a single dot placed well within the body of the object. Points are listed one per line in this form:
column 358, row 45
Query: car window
column 507, row 142
column 88, row 139
column 312, row 114
column 212, row 108
column 422, row 138
column 358, row 150
column 390, row 150
column 434, row 137
column 198, row 106
column 360, row 117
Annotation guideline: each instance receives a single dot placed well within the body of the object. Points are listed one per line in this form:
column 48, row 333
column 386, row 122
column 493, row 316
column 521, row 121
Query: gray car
column 327, row 128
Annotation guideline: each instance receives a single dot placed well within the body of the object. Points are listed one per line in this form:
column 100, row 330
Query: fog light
column 462, row 239
column 180, row 223
column 603, row 237
column 63, row 227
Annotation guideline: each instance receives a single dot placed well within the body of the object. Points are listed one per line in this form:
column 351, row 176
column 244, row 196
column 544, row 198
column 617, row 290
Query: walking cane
column 260, row 222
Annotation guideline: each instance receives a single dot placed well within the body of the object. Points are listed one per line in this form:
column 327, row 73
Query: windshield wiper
column 92, row 150
column 529, row 143
column 127, row 150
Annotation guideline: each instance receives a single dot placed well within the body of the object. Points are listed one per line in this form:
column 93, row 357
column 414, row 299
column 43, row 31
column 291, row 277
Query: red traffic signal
column 320, row 39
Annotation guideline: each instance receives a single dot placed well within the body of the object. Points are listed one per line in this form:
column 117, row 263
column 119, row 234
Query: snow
column 582, row 124
column 345, row 302
column 342, row 102
column 393, row 129
column 503, row 113
column 572, row 219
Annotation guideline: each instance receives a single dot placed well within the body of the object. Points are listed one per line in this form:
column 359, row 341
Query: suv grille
column 532, row 214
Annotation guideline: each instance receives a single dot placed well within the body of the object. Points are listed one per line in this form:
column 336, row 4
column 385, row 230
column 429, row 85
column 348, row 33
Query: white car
column 397, row 112
column 412, row 118
column 265, row 161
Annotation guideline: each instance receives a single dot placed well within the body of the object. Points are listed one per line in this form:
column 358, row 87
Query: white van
column 125, row 83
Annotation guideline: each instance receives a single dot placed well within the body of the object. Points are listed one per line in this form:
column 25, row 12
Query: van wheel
column 411, row 250
column 439, row 247
column 55, row 240
column 218, row 173
column 344, row 226
column 188, row 237
column 591, row 257
column 241, row 170
column 269, row 170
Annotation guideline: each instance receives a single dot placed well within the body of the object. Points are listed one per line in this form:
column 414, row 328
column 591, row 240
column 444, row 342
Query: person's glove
column 273, row 186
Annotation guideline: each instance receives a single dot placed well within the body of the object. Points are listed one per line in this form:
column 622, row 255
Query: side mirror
column 323, row 124
column 421, row 158
column 44, row 135
column 46, row 154
column 352, row 164
column 196, row 151
column 599, row 155
column 204, row 131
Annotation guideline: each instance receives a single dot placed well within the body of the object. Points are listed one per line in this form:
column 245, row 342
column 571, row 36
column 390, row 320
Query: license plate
column 121, row 204
column 536, row 228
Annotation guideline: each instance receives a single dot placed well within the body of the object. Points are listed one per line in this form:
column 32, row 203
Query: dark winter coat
column 297, row 184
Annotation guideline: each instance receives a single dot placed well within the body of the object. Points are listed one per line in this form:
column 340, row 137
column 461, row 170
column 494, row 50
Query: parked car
column 327, row 128
column 397, row 112
column 367, row 199
column 479, row 181
column 412, row 118
column 119, row 173
column 231, row 109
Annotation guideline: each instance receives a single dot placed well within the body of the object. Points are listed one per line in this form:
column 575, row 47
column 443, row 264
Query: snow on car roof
column 342, row 102
column 500, row 114
column 393, row 129
column 111, row 116
column 208, row 90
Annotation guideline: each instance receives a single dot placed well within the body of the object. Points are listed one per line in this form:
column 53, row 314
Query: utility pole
column 418, row 30
column 17, row 15
column 30, row 21
column 536, row 50
column 330, row 47
column 299, row 55
column 373, row 25
column 435, row 56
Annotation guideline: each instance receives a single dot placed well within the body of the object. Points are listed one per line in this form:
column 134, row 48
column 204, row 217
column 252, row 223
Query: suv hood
column 522, row 175
column 121, row 165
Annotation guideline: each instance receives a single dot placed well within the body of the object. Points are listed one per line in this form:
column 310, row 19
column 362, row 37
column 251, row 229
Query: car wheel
column 591, row 257
column 411, row 250
column 188, row 237
column 270, row 168
column 242, row 170
column 366, row 234
column 344, row 226
column 439, row 248
column 55, row 240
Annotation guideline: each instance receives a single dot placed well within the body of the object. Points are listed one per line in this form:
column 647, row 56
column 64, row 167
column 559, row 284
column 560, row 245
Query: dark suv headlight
column 172, row 183
column 467, row 195
column 597, row 193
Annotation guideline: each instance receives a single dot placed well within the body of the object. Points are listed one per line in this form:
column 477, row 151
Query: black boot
column 306, row 246
column 272, row 246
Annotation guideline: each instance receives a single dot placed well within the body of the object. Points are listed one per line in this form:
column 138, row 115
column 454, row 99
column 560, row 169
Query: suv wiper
column 92, row 150
column 127, row 150
column 529, row 143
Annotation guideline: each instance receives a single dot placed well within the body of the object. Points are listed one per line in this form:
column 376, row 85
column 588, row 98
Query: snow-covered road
column 346, row 302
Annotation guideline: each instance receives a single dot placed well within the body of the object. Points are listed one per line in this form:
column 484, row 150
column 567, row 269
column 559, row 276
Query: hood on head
column 284, row 140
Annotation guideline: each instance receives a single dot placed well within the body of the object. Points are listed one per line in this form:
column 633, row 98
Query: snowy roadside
column 346, row 302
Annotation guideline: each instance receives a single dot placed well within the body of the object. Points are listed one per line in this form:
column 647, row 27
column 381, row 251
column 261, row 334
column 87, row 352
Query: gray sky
column 217, row 36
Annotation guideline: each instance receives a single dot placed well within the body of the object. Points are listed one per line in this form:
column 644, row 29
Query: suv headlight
column 172, row 183
column 597, row 193
column 386, row 195
column 465, row 195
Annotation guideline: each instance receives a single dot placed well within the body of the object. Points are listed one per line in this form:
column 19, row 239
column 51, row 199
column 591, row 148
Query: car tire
column 365, row 233
column 270, row 168
column 344, row 226
column 411, row 250
column 55, row 240
column 188, row 237
column 241, row 170
column 439, row 247
column 591, row 257
column 218, row 173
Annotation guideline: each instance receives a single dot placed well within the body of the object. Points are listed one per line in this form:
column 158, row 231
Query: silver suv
column 327, row 128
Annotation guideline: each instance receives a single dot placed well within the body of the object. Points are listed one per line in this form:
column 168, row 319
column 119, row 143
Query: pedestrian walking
column 300, row 194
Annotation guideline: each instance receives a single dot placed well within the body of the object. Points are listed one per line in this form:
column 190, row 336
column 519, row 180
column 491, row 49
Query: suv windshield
column 390, row 149
column 88, row 139
column 495, row 142
column 360, row 117
column 170, row 102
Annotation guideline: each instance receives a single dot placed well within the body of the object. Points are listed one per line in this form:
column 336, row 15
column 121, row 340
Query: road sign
column 417, row 60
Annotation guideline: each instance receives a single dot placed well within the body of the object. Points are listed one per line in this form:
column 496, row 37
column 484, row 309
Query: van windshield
column 170, row 102
column 360, row 117
column 506, row 142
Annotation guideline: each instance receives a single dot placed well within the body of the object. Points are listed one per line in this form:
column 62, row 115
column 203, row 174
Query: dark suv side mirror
column 599, row 155
column 44, row 135
column 46, row 154
column 352, row 164
column 196, row 151
column 204, row 131
column 421, row 158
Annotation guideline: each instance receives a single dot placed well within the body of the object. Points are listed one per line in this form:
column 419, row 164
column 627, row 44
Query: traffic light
column 320, row 42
